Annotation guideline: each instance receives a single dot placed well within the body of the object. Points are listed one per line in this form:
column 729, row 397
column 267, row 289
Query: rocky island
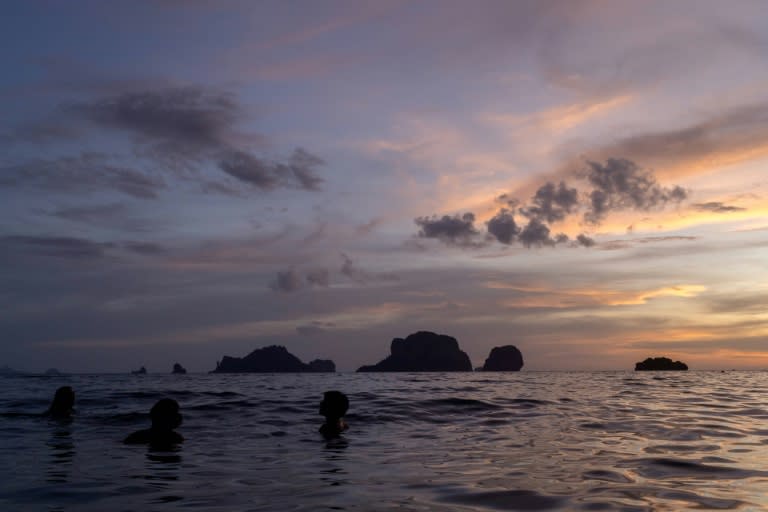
column 504, row 359
column 178, row 369
column 658, row 364
column 423, row 351
column 272, row 359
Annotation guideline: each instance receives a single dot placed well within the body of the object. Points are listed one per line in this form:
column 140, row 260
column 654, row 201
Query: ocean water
column 417, row 442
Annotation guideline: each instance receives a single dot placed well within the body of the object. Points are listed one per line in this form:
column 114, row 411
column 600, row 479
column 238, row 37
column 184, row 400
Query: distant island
column 140, row 371
column 274, row 358
column 178, row 369
column 423, row 351
column 658, row 364
column 503, row 359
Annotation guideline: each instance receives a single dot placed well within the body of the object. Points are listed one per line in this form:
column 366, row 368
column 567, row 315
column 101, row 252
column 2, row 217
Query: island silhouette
column 423, row 351
column 507, row 358
column 274, row 358
column 657, row 364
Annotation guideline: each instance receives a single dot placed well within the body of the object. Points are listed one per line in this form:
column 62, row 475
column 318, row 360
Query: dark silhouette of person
column 334, row 406
column 165, row 417
column 63, row 403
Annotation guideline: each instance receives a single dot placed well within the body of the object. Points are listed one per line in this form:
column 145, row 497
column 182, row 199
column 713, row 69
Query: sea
column 531, row 441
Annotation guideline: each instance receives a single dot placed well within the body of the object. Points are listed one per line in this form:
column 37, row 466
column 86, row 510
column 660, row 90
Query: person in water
column 165, row 417
column 63, row 403
column 334, row 406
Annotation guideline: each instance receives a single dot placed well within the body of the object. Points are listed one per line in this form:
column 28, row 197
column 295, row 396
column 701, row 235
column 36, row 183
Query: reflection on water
column 62, row 450
column 417, row 442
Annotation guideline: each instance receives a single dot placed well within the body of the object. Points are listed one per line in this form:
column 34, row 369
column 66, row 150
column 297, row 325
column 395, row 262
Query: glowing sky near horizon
column 184, row 180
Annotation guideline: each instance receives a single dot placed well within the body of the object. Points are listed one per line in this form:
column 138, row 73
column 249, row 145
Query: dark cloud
column 456, row 230
column 584, row 240
column 187, row 118
column 246, row 167
column 287, row 281
column 293, row 280
column 350, row 269
column 177, row 130
column 717, row 207
column 314, row 328
column 298, row 172
column 552, row 203
column 503, row 227
column 57, row 247
column 536, row 234
column 85, row 172
column 620, row 184
column 318, row 277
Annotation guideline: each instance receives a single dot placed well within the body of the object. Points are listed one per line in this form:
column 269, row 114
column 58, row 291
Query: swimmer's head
column 334, row 405
column 63, row 402
column 165, row 414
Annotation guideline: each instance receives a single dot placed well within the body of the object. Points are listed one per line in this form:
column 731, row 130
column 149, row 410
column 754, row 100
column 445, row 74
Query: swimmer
column 63, row 403
column 165, row 417
column 334, row 406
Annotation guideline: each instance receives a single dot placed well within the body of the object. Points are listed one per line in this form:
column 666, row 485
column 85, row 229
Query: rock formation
column 178, row 369
column 657, row 364
column 504, row 359
column 271, row 359
column 140, row 371
column 423, row 352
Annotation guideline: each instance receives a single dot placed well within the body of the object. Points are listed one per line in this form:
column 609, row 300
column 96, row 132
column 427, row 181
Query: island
column 659, row 364
column 423, row 351
column 140, row 371
column 178, row 369
column 272, row 359
column 506, row 358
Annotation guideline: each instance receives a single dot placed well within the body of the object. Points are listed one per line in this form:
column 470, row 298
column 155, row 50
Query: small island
column 272, row 359
column 660, row 364
column 504, row 359
column 140, row 371
column 423, row 351
column 178, row 369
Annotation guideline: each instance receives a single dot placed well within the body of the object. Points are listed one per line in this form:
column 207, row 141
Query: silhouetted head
column 334, row 404
column 63, row 402
column 165, row 414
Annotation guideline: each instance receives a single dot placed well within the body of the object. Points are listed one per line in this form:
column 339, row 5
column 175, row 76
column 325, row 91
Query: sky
column 183, row 180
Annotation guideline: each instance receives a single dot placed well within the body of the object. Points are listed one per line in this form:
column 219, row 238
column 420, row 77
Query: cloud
column 178, row 130
column 314, row 328
column 292, row 280
column 287, row 281
column 456, row 230
column 350, row 269
column 620, row 184
column 536, row 234
column 298, row 172
column 717, row 207
column 87, row 171
column 57, row 247
column 318, row 277
column 584, row 240
column 552, row 203
column 186, row 118
column 503, row 228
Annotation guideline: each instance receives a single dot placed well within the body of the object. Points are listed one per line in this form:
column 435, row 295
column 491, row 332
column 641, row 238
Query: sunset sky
column 586, row 180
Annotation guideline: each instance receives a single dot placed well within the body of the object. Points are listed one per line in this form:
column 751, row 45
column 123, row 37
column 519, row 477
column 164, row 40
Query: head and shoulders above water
column 165, row 418
column 63, row 404
column 334, row 406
